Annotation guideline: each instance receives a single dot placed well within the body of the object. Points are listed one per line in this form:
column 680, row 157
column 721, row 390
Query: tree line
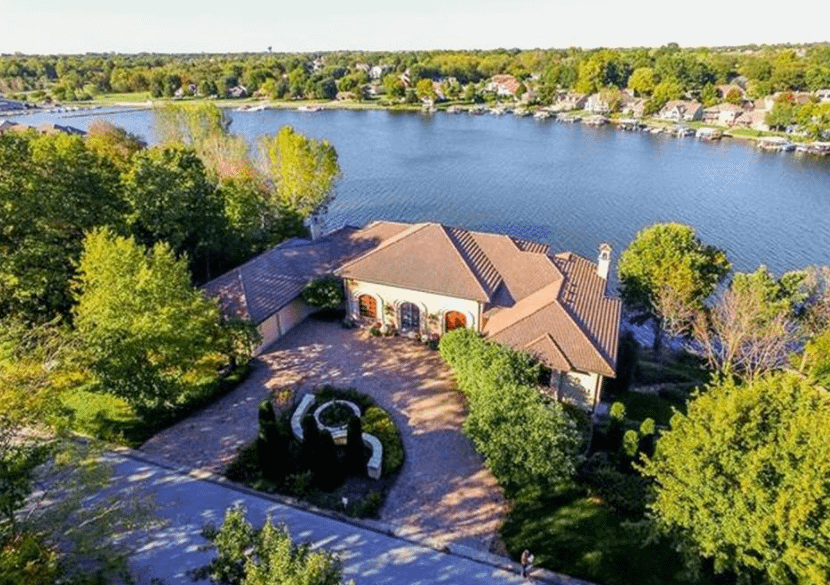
column 665, row 72
column 102, row 241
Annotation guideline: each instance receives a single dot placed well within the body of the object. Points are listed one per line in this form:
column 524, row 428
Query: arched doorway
column 454, row 320
column 410, row 317
column 367, row 306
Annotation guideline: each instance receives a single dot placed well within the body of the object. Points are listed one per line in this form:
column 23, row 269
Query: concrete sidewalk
column 370, row 551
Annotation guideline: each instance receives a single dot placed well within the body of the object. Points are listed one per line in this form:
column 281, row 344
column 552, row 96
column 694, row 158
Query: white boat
column 309, row 108
column 709, row 133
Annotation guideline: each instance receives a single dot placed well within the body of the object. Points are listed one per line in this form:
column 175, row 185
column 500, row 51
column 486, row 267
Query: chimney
column 604, row 261
column 315, row 226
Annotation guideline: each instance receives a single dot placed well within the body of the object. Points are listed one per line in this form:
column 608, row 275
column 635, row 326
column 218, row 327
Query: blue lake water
column 570, row 185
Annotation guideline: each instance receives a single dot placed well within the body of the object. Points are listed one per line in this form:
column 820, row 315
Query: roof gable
column 431, row 258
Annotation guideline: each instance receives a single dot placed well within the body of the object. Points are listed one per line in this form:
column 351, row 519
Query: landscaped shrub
column 272, row 442
column 326, row 467
column 311, row 442
column 626, row 493
column 629, row 443
column 647, row 437
column 355, row 460
column 627, row 360
column 377, row 422
column 524, row 437
column 324, row 293
column 368, row 507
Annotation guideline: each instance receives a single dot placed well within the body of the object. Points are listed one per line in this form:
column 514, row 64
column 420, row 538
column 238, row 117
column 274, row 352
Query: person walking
column 527, row 562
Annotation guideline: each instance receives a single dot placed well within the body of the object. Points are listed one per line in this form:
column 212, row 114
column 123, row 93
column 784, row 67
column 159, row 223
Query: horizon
column 213, row 27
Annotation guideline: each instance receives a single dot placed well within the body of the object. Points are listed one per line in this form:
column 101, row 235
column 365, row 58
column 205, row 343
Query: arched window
column 454, row 320
column 410, row 317
column 368, row 306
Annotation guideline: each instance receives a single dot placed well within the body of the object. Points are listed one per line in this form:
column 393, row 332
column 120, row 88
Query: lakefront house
column 426, row 279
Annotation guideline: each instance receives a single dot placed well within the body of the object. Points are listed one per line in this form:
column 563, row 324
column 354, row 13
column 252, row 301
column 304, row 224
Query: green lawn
column 104, row 416
column 577, row 535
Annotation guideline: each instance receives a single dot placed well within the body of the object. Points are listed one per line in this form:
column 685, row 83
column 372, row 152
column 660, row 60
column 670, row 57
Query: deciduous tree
column 303, row 170
column 146, row 333
column 264, row 556
column 665, row 275
column 750, row 327
column 741, row 480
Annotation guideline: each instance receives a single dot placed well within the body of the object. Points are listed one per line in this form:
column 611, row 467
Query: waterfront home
column 238, row 91
column 426, row 279
column 754, row 119
column 503, row 85
column 822, row 95
column 635, row 108
column 681, row 111
column 723, row 114
column 595, row 104
column 569, row 101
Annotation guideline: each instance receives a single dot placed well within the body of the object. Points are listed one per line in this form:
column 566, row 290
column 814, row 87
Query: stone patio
column 443, row 490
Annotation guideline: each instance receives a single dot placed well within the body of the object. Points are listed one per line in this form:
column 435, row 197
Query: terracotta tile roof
column 265, row 284
column 554, row 306
column 432, row 258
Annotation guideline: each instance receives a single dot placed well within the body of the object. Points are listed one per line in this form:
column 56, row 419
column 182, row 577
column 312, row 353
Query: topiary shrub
column 271, row 443
column 326, row 466
column 324, row 293
column 647, row 437
column 355, row 452
column 377, row 422
column 311, row 442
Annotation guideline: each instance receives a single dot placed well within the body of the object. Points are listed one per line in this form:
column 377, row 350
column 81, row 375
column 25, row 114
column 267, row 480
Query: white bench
column 373, row 467
column 299, row 415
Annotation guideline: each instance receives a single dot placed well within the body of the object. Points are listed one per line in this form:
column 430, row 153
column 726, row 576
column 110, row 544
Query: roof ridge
column 412, row 229
column 525, row 300
column 445, row 230
column 469, row 247
column 555, row 345
column 247, row 307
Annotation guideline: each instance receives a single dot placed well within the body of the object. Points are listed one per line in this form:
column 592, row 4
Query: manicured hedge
column 524, row 437
column 377, row 422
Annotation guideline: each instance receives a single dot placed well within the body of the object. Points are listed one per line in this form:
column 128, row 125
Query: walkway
column 443, row 492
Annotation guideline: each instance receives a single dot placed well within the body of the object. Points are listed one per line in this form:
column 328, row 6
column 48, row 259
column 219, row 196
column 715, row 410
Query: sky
column 188, row 26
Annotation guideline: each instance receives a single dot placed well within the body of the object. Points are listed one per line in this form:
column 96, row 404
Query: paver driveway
column 443, row 490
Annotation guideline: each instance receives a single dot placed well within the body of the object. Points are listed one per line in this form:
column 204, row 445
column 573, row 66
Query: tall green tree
column 172, row 200
column 52, row 189
column 741, row 480
column 666, row 274
column 304, row 171
column 144, row 331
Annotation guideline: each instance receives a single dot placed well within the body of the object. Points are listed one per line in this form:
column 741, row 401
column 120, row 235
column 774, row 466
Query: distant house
column 724, row 90
column 753, row 119
column 569, row 101
column 429, row 278
column 681, row 111
column 503, row 85
column 596, row 104
column 822, row 95
column 377, row 72
column 723, row 114
column 635, row 107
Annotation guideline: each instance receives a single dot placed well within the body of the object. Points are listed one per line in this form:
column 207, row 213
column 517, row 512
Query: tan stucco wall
column 578, row 388
column 427, row 303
